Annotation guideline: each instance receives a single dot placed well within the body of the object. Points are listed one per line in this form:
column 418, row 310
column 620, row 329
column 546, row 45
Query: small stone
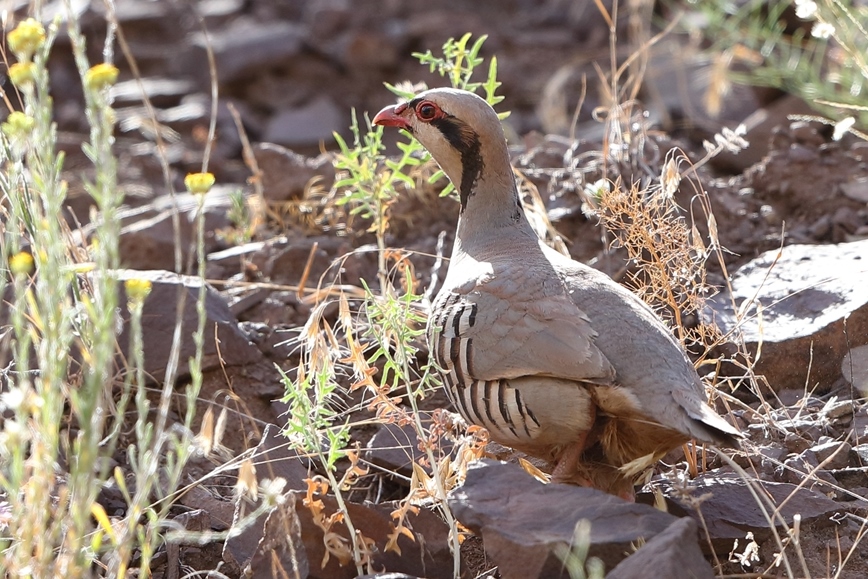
column 225, row 344
column 307, row 125
column 674, row 554
column 857, row 189
column 395, row 448
column 245, row 47
column 286, row 174
column 860, row 454
column 849, row 478
column 854, row 367
column 797, row 468
column 148, row 236
column 795, row 443
column 805, row 428
column 836, row 452
column 161, row 92
column 729, row 509
column 837, row 408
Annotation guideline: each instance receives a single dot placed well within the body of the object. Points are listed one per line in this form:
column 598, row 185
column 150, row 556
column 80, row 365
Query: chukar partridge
column 551, row 356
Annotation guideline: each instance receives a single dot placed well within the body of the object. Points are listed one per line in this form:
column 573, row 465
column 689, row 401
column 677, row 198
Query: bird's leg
column 567, row 465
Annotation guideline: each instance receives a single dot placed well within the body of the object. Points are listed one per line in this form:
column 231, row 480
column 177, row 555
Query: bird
column 553, row 357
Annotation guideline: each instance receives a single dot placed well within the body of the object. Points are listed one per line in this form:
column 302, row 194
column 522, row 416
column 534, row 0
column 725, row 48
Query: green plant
column 377, row 344
column 822, row 59
column 458, row 64
column 67, row 404
column 575, row 556
column 371, row 181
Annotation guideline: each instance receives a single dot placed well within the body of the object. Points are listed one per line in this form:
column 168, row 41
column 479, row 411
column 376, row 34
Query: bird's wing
column 498, row 328
column 651, row 365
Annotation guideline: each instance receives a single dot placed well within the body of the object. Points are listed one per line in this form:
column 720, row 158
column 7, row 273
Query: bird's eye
column 426, row 111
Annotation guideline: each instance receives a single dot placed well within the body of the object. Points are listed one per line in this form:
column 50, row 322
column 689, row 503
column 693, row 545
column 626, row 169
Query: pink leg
column 568, row 462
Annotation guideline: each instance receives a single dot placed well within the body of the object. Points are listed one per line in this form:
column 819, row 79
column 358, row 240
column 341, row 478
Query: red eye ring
column 427, row 111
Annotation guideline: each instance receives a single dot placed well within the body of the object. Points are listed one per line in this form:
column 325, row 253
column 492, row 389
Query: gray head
column 463, row 134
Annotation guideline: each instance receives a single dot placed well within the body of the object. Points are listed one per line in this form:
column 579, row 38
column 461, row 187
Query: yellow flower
column 21, row 263
column 26, row 39
column 22, row 73
column 17, row 125
column 100, row 76
column 199, row 183
column 137, row 289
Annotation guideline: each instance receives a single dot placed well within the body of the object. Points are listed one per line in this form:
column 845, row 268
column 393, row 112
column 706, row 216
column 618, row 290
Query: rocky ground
column 293, row 71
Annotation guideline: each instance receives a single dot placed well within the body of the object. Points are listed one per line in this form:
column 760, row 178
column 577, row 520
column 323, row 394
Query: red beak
column 391, row 117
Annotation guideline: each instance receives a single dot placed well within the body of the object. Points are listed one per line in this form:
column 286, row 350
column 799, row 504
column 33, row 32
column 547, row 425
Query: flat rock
column 857, row 189
column 396, row 448
column 523, row 521
column 286, row 174
column 147, row 238
column 245, row 47
column 253, row 548
column 729, row 510
column 306, row 125
column 835, row 454
column 160, row 91
column 427, row 556
column 159, row 318
column 674, row 554
column 806, row 294
column 854, row 367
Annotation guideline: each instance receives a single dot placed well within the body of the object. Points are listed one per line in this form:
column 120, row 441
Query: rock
column 796, row 468
column 244, row 48
column 160, row 91
column 836, row 409
column 806, row 295
column 854, row 367
column 220, row 512
column 395, row 448
column 306, row 125
column 523, row 521
column 674, row 554
column 856, row 189
column 275, row 458
column 366, row 50
column 807, row 428
column 387, row 576
column 288, row 265
column 159, row 318
column 428, row 556
column 246, row 260
column 148, row 234
column 860, row 454
column 197, row 523
column 327, row 18
column 729, row 510
column 276, row 540
column 286, row 174
column 851, row 478
column 836, row 452
column 278, row 532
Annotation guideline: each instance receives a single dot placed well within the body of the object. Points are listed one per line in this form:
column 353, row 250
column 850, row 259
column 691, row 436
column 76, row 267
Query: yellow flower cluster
column 101, row 76
column 137, row 289
column 21, row 263
column 17, row 125
column 199, row 183
column 26, row 39
column 22, row 73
